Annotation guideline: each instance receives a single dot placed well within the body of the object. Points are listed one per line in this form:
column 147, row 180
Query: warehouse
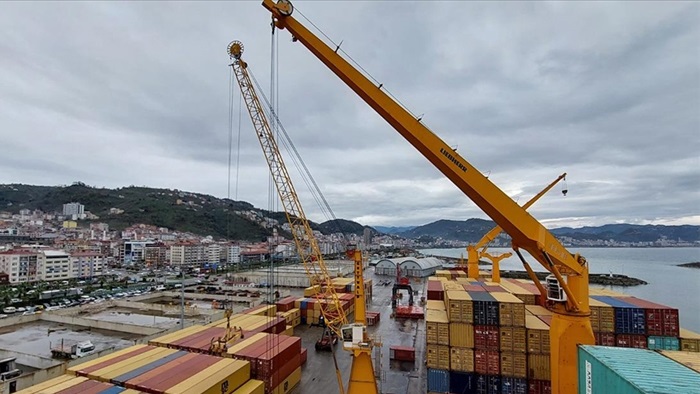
column 409, row 266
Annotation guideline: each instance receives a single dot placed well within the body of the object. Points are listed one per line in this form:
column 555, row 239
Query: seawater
column 669, row 284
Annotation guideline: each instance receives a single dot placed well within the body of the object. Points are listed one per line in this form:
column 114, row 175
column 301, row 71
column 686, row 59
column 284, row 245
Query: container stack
column 498, row 340
column 310, row 307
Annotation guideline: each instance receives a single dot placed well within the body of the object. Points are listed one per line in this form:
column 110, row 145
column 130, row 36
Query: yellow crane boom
column 354, row 336
column 571, row 322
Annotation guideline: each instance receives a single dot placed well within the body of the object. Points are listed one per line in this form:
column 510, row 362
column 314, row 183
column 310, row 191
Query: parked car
column 9, row 310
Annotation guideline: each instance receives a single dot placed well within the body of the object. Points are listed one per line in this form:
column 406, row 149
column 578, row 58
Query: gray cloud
column 115, row 94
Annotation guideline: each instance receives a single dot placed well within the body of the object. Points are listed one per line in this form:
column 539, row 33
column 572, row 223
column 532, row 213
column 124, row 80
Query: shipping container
column 608, row 370
column 435, row 304
column 289, row 383
column 224, row 376
column 437, row 356
column 105, row 372
column 663, row 343
column 513, row 339
column 538, row 366
column 438, row 380
column 661, row 320
column 278, row 354
column 539, row 386
column 120, row 376
column 604, row 338
column 689, row 359
column 510, row 385
column 485, row 308
column 488, row 384
column 514, row 364
column 76, row 386
column 461, row 359
column 486, row 337
column 511, row 310
column 487, row 362
column 109, row 359
column 538, row 335
column 629, row 319
column 252, row 386
column 402, row 353
column 437, row 327
column 690, row 341
column 462, row 383
column 525, row 295
column 461, row 335
column 168, row 375
column 459, row 306
column 631, row 340
column 435, row 290
column 48, row 384
column 538, row 310
column 602, row 316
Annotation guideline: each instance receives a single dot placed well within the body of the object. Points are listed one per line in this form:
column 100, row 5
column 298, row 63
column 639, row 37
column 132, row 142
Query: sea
column 668, row 284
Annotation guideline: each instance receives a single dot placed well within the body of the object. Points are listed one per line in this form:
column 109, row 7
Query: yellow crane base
column 362, row 379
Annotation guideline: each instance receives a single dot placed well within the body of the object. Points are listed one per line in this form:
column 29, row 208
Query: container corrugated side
column 111, row 370
column 629, row 319
column 437, row 356
column 108, row 359
column 537, row 335
column 437, row 327
column 123, row 372
column 245, row 342
column 485, row 308
column 486, row 338
column 459, row 306
column 289, row 383
column 511, row 385
column 690, row 341
column 63, row 382
column 608, row 369
column 462, row 383
column 689, row 359
column 511, row 309
column 252, row 386
column 663, row 343
column 487, row 362
column 538, row 366
column 661, row 320
column 526, row 296
column 224, row 376
column 488, row 384
column 438, row 380
column 461, row 335
column 514, row 364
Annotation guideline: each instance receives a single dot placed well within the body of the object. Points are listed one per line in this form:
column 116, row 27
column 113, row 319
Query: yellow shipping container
column 312, row 290
column 511, row 309
column 525, row 295
column 112, row 371
column 437, row 327
column 459, row 306
column 514, row 364
column 513, row 339
column 538, row 366
column 288, row 384
column 251, row 387
column 538, row 310
column 461, row 359
column 461, row 335
column 537, row 335
column 222, row 377
column 48, row 384
column 437, row 356
column 452, row 285
column 602, row 316
column 689, row 359
column 436, row 305
column 59, row 386
column 74, row 369
column 289, row 330
column 690, row 341
column 169, row 338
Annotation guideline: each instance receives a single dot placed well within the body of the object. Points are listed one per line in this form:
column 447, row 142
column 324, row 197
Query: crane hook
column 564, row 187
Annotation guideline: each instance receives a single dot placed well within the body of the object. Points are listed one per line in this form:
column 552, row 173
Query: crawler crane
column 354, row 336
column 475, row 252
column 568, row 295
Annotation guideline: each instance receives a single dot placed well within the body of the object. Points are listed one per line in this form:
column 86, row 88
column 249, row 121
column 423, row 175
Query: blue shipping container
column 603, row 369
column 511, row 385
column 462, row 383
column 488, row 384
column 663, row 343
column 629, row 319
column 485, row 308
column 438, row 380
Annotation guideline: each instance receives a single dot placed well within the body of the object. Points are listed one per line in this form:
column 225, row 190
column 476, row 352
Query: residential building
column 156, row 254
column 54, row 265
column 188, row 253
column 20, row 265
column 74, row 210
column 87, row 265
column 134, row 252
column 234, row 254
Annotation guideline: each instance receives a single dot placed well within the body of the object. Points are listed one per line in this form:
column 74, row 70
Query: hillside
column 177, row 210
column 470, row 230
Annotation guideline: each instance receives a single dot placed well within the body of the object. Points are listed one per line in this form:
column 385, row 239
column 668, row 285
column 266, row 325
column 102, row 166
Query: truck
column 72, row 351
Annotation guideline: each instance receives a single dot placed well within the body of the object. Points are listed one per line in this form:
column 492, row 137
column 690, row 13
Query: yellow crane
column 354, row 336
column 567, row 289
column 477, row 251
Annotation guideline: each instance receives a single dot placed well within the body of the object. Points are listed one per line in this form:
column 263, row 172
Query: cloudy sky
column 137, row 93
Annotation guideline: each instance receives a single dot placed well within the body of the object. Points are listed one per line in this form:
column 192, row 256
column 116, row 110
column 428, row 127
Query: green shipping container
column 603, row 369
column 663, row 343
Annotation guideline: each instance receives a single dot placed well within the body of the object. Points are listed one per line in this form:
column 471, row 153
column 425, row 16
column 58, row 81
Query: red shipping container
column 303, row 355
column 252, row 351
column 487, row 362
column 470, row 287
column 486, row 337
column 604, row 338
column 539, row 387
column 272, row 360
column 636, row 341
column 88, row 386
column 274, row 380
column 402, row 353
column 169, row 377
column 163, row 370
column 285, row 304
column 435, row 290
column 494, row 289
column 103, row 364
column 661, row 320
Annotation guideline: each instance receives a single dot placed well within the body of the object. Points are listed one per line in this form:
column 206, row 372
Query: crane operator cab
column 354, row 335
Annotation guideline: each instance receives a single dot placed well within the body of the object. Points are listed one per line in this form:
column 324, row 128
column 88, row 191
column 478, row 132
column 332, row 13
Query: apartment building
column 87, row 265
column 20, row 265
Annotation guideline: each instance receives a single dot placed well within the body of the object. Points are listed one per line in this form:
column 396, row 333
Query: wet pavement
column 37, row 337
column 318, row 374
column 125, row 316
